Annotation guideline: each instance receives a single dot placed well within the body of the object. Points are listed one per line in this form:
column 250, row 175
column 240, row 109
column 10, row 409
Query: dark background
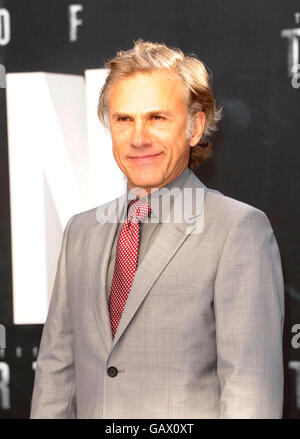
column 256, row 150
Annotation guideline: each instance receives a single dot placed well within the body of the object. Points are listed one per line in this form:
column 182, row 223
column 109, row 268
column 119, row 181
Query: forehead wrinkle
column 160, row 106
column 144, row 113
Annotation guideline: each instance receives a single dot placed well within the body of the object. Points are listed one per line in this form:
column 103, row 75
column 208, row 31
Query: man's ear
column 199, row 124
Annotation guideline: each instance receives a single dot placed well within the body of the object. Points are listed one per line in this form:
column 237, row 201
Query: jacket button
column 112, row 371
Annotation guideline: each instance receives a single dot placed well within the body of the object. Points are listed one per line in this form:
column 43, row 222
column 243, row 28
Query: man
column 151, row 316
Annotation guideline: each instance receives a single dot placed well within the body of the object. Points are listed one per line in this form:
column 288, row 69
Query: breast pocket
column 172, row 288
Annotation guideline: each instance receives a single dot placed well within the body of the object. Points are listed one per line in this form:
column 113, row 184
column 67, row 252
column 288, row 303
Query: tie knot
column 139, row 209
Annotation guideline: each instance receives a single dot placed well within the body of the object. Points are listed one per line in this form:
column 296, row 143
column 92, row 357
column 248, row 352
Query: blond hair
column 148, row 56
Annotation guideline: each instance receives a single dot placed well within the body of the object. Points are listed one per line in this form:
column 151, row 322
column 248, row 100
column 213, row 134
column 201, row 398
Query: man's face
column 148, row 117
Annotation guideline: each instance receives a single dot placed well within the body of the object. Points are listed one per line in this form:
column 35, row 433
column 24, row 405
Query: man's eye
column 123, row 118
column 157, row 117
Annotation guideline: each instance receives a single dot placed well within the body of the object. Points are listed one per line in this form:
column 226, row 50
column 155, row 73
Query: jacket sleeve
column 249, row 313
column 54, row 385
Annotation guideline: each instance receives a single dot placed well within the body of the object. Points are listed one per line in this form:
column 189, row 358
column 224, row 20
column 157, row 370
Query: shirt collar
column 156, row 198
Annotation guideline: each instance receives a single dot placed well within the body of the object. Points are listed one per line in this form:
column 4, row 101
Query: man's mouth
column 147, row 158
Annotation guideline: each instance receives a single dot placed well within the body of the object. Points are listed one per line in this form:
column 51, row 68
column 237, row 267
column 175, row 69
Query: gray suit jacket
column 201, row 333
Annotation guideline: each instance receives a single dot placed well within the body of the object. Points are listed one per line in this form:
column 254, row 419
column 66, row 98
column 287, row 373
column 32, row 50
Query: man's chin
column 147, row 185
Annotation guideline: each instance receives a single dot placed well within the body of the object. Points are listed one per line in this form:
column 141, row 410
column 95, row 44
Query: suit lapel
column 100, row 242
column 167, row 242
column 170, row 237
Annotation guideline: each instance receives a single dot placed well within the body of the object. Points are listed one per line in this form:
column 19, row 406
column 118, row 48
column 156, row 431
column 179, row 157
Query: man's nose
column 140, row 135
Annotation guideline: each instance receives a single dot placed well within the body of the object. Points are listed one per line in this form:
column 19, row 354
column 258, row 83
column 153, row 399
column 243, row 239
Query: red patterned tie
column 126, row 260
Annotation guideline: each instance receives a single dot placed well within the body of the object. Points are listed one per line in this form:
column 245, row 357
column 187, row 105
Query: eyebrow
column 148, row 113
